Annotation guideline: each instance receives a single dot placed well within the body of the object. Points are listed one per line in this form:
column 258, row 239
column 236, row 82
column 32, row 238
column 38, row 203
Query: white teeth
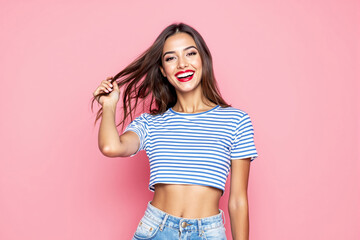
column 185, row 74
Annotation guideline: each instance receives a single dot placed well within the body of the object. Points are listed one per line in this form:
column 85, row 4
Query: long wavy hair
column 142, row 78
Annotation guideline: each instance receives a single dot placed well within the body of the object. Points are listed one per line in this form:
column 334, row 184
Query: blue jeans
column 156, row 224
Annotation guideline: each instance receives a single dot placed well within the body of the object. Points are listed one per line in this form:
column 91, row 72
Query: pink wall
column 292, row 65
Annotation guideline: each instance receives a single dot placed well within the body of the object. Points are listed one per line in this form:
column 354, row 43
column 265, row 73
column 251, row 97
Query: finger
column 109, row 85
column 97, row 91
column 105, row 89
column 108, row 79
column 105, row 85
column 116, row 87
column 107, row 82
column 102, row 89
column 97, row 94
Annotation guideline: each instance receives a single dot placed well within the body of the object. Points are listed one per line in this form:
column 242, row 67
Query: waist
column 187, row 200
column 166, row 219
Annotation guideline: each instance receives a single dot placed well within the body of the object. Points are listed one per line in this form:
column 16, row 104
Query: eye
column 168, row 59
column 192, row 53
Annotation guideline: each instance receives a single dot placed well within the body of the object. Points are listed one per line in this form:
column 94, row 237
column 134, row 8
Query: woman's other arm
column 238, row 200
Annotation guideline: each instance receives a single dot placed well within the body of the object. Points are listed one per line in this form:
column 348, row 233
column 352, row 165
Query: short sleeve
column 140, row 126
column 243, row 145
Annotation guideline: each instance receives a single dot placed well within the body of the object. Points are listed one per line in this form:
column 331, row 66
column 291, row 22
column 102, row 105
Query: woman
column 193, row 138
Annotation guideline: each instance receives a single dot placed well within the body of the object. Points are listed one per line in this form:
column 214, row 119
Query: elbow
column 107, row 151
column 238, row 204
column 112, row 151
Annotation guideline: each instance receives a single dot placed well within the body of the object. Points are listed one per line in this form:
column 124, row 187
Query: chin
column 188, row 89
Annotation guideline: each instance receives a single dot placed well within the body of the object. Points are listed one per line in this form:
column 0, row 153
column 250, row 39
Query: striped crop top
column 194, row 148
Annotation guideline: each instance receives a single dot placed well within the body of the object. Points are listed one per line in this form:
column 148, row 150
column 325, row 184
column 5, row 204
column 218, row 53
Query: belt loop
column 200, row 228
column 163, row 222
column 222, row 213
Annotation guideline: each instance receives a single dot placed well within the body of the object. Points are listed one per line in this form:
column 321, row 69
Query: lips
column 184, row 79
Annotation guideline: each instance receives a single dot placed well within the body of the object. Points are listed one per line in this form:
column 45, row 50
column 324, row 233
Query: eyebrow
column 183, row 50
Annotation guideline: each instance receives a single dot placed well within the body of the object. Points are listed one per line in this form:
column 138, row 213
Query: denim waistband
column 162, row 218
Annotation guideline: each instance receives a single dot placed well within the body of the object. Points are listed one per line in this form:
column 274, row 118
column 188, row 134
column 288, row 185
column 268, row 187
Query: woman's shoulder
column 151, row 116
column 234, row 111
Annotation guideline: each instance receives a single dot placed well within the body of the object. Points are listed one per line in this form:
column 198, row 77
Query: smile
column 185, row 76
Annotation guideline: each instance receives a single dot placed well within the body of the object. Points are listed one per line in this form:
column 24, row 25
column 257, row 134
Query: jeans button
column 184, row 224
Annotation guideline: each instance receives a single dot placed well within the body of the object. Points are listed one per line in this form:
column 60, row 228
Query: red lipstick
column 184, row 79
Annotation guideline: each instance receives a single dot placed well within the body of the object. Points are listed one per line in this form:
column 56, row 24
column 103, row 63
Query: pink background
column 292, row 65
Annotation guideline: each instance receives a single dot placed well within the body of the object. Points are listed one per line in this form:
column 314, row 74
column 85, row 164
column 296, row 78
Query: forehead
column 178, row 42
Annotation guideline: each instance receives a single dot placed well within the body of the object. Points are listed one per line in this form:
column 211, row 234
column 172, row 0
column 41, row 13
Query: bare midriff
column 187, row 200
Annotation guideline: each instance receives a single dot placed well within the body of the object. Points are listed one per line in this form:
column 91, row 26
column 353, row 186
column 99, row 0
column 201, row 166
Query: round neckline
column 192, row 114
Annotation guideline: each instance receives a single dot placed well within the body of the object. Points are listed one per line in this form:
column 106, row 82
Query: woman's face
column 181, row 62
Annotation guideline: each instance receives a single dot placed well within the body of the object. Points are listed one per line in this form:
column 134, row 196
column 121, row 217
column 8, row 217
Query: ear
column 162, row 71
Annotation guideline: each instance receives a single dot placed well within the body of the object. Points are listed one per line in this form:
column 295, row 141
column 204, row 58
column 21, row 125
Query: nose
column 182, row 63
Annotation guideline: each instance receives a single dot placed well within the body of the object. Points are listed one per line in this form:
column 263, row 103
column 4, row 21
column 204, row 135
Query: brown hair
column 147, row 67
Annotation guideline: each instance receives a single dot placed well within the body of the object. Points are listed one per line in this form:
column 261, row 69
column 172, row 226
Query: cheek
column 198, row 63
column 199, row 67
column 168, row 69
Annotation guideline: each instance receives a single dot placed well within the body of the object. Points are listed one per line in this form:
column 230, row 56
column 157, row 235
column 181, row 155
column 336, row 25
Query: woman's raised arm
column 109, row 141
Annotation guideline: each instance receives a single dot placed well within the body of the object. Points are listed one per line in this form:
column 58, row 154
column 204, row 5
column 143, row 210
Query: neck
column 192, row 102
